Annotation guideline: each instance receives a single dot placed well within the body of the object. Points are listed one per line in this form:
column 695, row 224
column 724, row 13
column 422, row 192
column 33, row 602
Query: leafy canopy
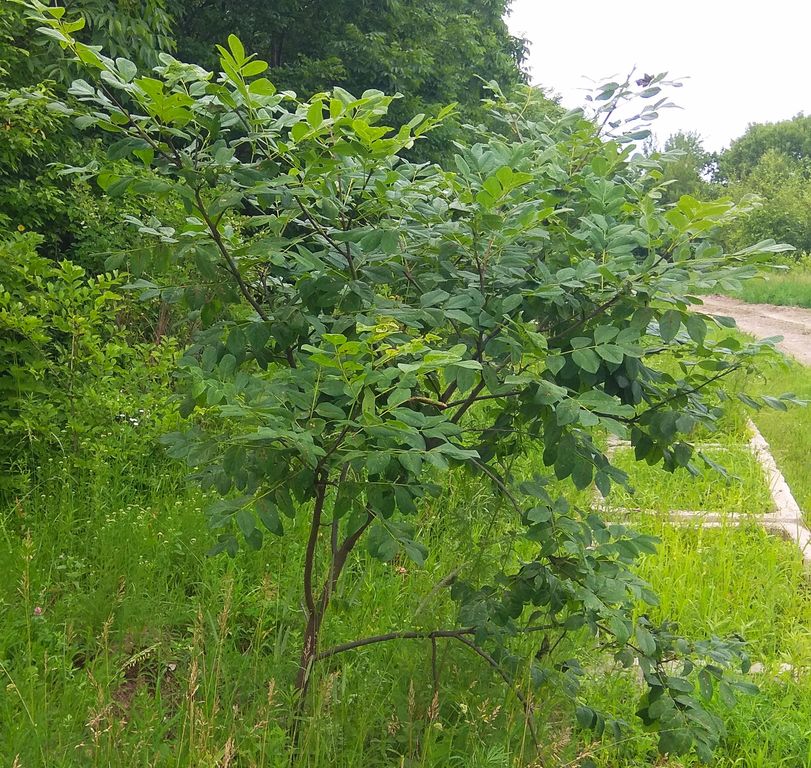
column 433, row 52
column 791, row 138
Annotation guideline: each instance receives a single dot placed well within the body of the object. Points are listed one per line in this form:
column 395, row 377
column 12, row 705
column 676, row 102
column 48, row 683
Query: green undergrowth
column 742, row 490
column 729, row 581
column 791, row 288
column 123, row 644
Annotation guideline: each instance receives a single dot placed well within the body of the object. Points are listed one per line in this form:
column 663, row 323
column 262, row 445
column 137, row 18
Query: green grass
column 743, row 491
column 702, row 576
column 791, row 289
column 789, row 432
column 122, row 644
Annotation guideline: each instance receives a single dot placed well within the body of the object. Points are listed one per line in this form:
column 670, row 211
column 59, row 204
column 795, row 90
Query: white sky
column 741, row 62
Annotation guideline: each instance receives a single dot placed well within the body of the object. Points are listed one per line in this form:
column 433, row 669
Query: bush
column 68, row 373
column 368, row 323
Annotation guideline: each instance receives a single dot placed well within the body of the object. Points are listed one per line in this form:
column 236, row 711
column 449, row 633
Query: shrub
column 67, row 370
column 368, row 323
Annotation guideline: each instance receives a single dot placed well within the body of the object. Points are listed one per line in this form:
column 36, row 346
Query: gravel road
column 764, row 320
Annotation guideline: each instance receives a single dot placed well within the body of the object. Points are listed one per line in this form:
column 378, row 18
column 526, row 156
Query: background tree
column 434, row 52
column 791, row 138
column 771, row 163
column 688, row 167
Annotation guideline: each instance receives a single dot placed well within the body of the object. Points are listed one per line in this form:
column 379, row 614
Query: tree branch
column 468, row 401
column 389, row 636
column 345, row 252
column 232, row 267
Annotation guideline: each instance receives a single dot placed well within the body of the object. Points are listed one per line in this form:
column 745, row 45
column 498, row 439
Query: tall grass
column 789, row 432
column 123, row 644
column 744, row 490
column 790, row 288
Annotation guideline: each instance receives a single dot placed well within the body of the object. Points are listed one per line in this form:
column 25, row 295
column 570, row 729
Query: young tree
column 369, row 323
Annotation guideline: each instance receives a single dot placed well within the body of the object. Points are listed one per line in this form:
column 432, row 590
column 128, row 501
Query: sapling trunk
column 317, row 607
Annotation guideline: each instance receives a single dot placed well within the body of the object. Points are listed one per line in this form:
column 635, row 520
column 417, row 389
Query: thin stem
column 597, row 311
column 500, row 483
column 684, row 393
column 434, row 670
column 232, row 267
column 345, row 252
column 309, row 556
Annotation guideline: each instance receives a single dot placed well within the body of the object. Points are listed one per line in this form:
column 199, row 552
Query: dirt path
column 764, row 320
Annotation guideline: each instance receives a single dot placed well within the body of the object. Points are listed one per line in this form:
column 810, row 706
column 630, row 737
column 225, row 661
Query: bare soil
column 765, row 320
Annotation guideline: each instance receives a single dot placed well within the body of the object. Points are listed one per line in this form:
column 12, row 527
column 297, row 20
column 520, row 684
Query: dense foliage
column 767, row 169
column 791, row 138
column 432, row 52
column 68, row 370
column 36, row 194
column 368, row 324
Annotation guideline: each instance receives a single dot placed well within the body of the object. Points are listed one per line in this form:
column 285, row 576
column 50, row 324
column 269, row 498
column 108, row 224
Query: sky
column 740, row 62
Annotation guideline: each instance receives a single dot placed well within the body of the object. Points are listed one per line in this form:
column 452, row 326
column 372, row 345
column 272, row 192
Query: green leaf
column 586, row 716
column 727, row 693
column 555, row 362
column 696, row 328
column 586, row 359
column 432, row 298
column 605, row 333
column 330, row 411
column 404, row 499
column 262, row 87
column 268, row 514
column 669, row 324
column 645, row 641
column 299, row 131
column 381, row 544
column 675, row 741
column 567, row 412
column 245, row 521
column 705, row 684
column 315, row 114
column 582, row 473
column 390, row 242
column 253, row 68
column 368, row 403
column 237, row 49
column 237, row 342
column 126, row 69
